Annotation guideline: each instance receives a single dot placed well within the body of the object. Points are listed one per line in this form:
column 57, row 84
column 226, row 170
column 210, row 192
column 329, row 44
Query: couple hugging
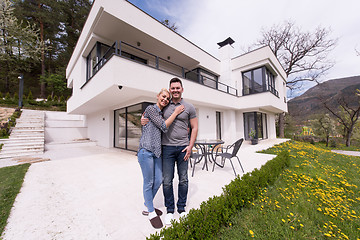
column 165, row 142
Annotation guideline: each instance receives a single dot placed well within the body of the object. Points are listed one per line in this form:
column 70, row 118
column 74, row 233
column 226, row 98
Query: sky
column 207, row 22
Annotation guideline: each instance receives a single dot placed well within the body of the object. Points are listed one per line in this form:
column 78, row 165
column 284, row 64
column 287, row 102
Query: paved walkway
column 96, row 193
column 352, row 153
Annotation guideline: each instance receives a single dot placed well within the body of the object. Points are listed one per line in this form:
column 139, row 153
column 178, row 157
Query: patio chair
column 196, row 156
column 229, row 152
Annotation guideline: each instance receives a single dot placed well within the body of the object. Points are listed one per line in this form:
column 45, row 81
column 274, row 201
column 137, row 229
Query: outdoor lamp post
column 21, row 90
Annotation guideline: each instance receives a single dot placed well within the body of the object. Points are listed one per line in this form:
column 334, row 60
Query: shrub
column 205, row 222
column 7, row 96
column 333, row 143
column 30, row 96
column 16, row 96
column 49, row 98
column 62, row 98
column 55, row 98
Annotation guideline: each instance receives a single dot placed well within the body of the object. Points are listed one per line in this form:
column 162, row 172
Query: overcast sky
column 207, row 22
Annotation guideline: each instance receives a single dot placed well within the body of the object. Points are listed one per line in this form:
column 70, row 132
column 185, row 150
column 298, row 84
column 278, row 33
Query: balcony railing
column 140, row 56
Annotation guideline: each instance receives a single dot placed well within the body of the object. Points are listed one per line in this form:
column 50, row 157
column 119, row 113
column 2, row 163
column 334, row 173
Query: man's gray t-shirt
column 178, row 131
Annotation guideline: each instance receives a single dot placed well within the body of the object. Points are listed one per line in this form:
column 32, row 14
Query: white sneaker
column 168, row 218
column 183, row 214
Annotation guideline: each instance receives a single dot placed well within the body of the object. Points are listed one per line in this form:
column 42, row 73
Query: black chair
column 197, row 156
column 226, row 153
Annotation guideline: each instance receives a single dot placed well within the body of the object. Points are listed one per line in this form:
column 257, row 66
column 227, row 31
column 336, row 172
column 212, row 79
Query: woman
column 149, row 154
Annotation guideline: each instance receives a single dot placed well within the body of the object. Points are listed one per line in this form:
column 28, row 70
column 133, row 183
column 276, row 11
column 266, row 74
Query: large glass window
column 256, row 121
column 258, row 80
column 128, row 126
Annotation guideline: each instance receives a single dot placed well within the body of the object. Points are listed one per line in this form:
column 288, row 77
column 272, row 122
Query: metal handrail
column 118, row 49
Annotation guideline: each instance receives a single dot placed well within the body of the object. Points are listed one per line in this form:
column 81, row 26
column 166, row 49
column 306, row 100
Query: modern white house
column 124, row 57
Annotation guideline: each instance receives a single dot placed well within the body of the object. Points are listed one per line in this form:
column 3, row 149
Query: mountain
column 311, row 102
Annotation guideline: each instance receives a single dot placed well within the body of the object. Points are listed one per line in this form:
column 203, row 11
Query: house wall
column 101, row 128
column 207, row 123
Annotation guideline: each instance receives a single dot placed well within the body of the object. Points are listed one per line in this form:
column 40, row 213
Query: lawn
column 317, row 197
column 11, row 180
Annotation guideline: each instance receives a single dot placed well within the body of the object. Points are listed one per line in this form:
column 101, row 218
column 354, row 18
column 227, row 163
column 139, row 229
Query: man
column 176, row 149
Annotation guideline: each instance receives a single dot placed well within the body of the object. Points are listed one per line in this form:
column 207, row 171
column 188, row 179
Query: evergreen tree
column 74, row 14
column 46, row 15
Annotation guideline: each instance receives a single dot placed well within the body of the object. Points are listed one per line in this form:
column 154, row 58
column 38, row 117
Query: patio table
column 207, row 148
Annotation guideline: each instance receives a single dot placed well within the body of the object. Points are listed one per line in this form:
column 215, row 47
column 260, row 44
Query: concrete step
column 52, row 115
column 13, row 149
column 19, row 154
column 59, row 145
column 26, row 136
column 64, row 123
column 21, row 128
column 22, row 144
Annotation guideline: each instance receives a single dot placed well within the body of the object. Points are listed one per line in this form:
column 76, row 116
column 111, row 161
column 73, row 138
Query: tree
column 73, row 14
column 45, row 14
column 19, row 44
column 56, row 82
column 59, row 23
column 324, row 126
column 347, row 114
column 302, row 54
column 172, row 26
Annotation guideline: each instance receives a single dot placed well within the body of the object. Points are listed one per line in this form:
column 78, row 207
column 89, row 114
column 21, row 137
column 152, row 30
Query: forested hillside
column 37, row 39
column 311, row 102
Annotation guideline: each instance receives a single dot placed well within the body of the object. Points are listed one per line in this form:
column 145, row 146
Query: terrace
column 102, row 53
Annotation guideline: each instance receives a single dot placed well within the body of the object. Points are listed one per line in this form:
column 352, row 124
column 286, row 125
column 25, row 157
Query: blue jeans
column 151, row 168
column 172, row 155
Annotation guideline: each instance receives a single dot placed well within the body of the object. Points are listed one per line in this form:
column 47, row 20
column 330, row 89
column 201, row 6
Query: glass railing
column 135, row 54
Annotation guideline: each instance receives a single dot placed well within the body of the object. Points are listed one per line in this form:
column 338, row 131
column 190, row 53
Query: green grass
column 11, row 180
column 317, row 197
column 340, row 146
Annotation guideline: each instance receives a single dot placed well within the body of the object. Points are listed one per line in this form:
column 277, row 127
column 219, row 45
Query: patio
column 96, row 193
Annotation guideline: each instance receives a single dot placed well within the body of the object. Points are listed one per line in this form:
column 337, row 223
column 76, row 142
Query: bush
column 16, row 96
column 49, row 98
column 333, row 143
column 7, row 96
column 5, row 129
column 30, row 96
column 205, row 222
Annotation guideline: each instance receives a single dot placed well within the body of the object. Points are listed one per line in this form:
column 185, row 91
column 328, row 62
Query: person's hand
column 144, row 120
column 179, row 109
column 188, row 153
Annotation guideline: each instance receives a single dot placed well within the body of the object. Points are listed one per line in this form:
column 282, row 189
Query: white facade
column 124, row 57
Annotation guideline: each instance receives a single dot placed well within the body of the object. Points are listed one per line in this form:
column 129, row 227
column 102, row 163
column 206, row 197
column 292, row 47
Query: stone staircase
column 27, row 137
column 39, row 131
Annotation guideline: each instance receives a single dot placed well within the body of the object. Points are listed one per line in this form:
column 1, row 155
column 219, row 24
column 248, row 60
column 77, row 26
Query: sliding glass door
column 128, row 126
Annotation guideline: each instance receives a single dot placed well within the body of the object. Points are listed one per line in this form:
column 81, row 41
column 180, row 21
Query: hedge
column 213, row 214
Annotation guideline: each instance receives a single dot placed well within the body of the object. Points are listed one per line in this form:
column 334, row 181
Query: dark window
column 100, row 54
column 256, row 121
column 218, row 125
column 258, row 80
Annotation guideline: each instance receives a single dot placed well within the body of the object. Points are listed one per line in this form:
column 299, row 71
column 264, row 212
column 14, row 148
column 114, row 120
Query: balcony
column 102, row 53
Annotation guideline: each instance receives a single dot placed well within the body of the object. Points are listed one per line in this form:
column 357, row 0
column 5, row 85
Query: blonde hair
column 164, row 90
